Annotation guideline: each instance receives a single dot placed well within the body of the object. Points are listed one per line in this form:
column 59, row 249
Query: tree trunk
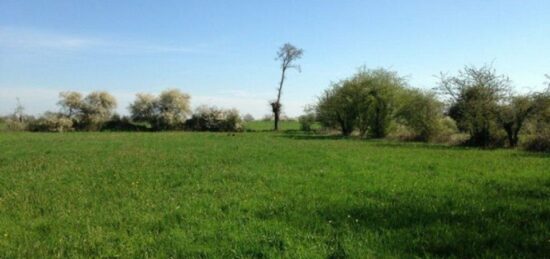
column 276, row 126
column 277, row 106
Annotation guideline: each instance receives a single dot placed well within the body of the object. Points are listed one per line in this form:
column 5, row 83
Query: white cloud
column 30, row 39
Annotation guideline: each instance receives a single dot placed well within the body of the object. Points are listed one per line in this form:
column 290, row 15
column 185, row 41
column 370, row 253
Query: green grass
column 268, row 125
column 193, row 195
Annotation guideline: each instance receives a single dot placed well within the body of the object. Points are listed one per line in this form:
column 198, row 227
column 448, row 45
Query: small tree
column 512, row 115
column 421, row 112
column 336, row 108
column 173, row 108
column 96, row 109
column 144, row 109
column 19, row 112
column 168, row 111
column 248, row 117
column 287, row 54
column 71, row 104
column 474, row 95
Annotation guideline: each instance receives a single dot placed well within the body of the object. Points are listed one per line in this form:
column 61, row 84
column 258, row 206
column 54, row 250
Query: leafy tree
column 308, row 119
column 71, row 104
column 97, row 108
column 287, row 54
column 167, row 111
column 173, row 106
column 512, row 115
column 366, row 101
column 421, row 112
column 474, row 95
column 214, row 119
column 336, row 108
column 144, row 109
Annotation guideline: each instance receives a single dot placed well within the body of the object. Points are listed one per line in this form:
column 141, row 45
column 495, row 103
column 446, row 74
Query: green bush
column 306, row 121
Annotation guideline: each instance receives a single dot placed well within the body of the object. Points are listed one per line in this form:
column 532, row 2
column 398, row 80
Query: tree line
column 170, row 110
column 477, row 102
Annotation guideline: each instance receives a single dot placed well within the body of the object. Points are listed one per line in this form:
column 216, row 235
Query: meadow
column 266, row 195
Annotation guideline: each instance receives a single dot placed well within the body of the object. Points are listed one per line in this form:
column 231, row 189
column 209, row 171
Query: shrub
column 118, row 123
column 422, row 113
column 11, row 124
column 248, row 117
column 306, row 121
column 214, row 119
column 474, row 95
column 51, row 122
column 367, row 101
column 167, row 111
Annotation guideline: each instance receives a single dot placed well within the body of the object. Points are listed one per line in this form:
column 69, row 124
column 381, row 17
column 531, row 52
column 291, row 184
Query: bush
column 367, row 101
column 214, row 119
column 51, row 122
column 474, row 97
column 539, row 143
column 422, row 113
column 306, row 121
column 168, row 111
column 117, row 123
column 11, row 124
column 248, row 117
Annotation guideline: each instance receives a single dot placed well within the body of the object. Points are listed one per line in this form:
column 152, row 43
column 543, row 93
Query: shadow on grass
column 444, row 231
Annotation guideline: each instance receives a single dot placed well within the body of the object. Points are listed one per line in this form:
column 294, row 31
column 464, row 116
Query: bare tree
column 19, row 111
column 287, row 54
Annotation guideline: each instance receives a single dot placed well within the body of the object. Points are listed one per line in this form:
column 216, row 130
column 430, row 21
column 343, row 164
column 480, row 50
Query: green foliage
column 209, row 195
column 540, row 121
column 474, row 97
column 367, row 101
column 306, row 121
column 422, row 113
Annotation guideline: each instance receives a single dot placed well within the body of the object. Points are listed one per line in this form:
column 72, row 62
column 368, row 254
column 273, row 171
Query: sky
column 223, row 53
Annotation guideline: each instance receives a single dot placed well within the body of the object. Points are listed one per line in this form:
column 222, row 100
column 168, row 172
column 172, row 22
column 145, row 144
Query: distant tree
column 96, row 109
column 214, row 119
column 51, row 122
column 367, row 101
column 169, row 110
column 248, row 117
column 287, row 54
column 71, row 104
column 337, row 108
column 173, row 108
column 144, row 109
column 421, row 112
column 19, row 112
column 512, row 115
column 307, row 119
column 474, row 95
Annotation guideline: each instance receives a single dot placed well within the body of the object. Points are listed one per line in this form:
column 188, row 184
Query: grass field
column 268, row 125
column 253, row 195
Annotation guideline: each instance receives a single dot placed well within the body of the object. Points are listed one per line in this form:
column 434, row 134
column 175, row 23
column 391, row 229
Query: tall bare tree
column 287, row 54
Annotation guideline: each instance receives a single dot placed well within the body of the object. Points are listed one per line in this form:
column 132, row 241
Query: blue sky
column 222, row 52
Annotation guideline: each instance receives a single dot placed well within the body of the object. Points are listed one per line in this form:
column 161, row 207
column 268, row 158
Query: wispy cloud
column 38, row 40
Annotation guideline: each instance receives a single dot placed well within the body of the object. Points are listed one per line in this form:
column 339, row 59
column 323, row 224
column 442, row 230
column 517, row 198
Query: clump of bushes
column 168, row 111
column 373, row 102
column 207, row 118
column 51, row 122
